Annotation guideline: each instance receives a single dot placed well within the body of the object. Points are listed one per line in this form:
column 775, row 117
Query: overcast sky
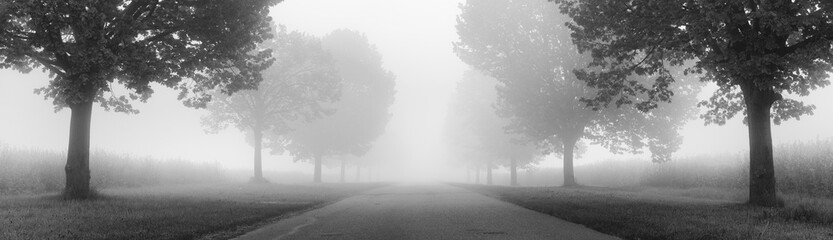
column 414, row 38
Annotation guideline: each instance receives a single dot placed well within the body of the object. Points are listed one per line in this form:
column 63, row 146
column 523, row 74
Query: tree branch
column 791, row 49
column 161, row 35
column 49, row 64
column 647, row 55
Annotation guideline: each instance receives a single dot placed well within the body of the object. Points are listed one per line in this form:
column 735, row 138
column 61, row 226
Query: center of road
column 422, row 211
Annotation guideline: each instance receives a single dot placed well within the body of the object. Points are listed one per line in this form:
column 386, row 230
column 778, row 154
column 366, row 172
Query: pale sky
column 414, row 38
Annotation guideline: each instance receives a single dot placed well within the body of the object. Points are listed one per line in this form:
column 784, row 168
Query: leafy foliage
column 777, row 47
column 362, row 112
column 525, row 45
column 476, row 133
column 296, row 87
column 88, row 45
column 768, row 50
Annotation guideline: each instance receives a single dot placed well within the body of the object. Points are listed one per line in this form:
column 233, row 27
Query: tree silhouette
column 302, row 79
column 755, row 51
column 477, row 134
column 362, row 112
column 89, row 45
column 526, row 46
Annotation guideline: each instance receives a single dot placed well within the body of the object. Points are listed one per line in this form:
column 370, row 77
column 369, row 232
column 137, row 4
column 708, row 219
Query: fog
column 414, row 39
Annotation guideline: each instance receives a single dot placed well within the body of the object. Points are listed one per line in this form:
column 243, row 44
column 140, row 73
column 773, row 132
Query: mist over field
column 303, row 103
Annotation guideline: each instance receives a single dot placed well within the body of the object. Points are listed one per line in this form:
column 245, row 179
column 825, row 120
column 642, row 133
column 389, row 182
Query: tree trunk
column 316, row 177
column 489, row 173
column 762, row 188
column 358, row 173
column 258, row 142
column 343, row 167
column 477, row 175
column 78, row 152
column 569, row 175
column 513, row 172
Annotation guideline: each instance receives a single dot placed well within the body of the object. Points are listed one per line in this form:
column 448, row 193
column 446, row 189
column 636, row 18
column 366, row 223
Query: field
column 649, row 213
column 144, row 198
column 691, row 197
column 216, row 211
column 802, row 169
column 34, row 171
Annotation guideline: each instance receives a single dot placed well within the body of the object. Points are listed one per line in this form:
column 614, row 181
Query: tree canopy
column 296, row 87
column 361, row 114
column 89, row 45
column 760, row 54
column 477, row 135
column 526, row 46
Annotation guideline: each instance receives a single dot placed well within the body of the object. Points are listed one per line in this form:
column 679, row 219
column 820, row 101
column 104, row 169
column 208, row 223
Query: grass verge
column 171, row 212
column 633, row 214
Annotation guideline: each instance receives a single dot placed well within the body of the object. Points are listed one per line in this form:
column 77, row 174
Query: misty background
column 414, row 39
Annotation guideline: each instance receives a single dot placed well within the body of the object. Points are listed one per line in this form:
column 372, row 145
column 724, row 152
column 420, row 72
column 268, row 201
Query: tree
column 362, row 112
column 478, row 134
column 88, row 45
column 525, row 45
column 302, row 79
column 460, row 142
column 758, row 53
column 515, row 154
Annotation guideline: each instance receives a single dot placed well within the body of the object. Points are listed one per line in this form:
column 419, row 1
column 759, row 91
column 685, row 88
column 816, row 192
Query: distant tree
column 461, row 142
column 518, row 154
column 295, row 87
column 87, row 45
column 526, row 46
column 480, row 133
column 361, row 113
column 755, row 51
column 353, row 160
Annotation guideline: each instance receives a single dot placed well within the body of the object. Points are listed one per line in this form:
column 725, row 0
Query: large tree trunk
column 569, row 175
column 316, row 177
column 78, row 152
column 513, row 172
column 489, row 172
column 258, row 142
column 343, row 168
column 762, row 188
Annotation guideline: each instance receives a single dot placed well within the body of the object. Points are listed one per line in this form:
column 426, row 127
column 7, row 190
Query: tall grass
column 805, row 168
column 801, row 168
column 803, row 171
column 37, row 171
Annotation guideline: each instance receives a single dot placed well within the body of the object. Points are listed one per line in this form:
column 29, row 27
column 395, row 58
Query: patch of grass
column 711, row 193
column 801, row 168
column 636, row 214
column 172, row 212
column 810, row 210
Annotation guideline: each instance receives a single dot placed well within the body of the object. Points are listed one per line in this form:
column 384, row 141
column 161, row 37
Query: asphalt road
column 422, row 211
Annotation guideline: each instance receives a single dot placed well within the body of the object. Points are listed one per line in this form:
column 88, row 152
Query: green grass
column 34, row 171
column 644, row 213
column 172, row 212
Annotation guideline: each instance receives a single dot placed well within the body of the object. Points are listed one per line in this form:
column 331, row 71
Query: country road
column 422, row 211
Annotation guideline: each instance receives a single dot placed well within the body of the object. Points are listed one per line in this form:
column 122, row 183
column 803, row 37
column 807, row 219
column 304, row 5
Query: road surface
column 422, row 211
